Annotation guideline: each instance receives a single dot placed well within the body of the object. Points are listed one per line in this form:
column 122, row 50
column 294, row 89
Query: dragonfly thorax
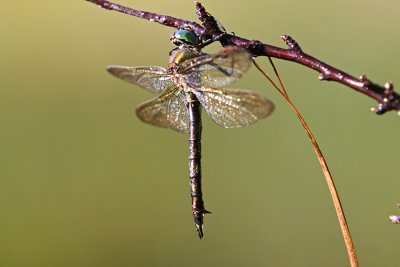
column 177, row 56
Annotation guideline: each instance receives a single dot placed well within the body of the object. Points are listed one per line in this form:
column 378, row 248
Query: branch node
column 364, row 80
column 388, row 88
column 323, row 77
column 255, row 46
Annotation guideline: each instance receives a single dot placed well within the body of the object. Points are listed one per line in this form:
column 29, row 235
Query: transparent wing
column 152, row 78
column 216, row 70
column 168, row 110
column 234, row 108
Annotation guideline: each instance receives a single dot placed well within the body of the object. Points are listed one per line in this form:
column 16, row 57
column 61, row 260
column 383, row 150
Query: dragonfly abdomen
column 194, row 110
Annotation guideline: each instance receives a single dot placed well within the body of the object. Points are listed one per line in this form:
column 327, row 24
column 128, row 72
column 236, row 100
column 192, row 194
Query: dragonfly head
column 184, row 36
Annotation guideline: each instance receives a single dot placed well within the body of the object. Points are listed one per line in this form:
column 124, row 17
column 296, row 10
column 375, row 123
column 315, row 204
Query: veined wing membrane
column 234, row 108
column 152, row 78
column 216, row 70
column 168, row 110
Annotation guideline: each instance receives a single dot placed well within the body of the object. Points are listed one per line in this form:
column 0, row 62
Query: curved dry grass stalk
column 324, row 166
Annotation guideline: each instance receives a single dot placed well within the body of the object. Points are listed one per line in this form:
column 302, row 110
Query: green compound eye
column 184, row 36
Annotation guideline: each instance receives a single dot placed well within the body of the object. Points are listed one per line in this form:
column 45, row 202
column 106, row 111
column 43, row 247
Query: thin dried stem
column 324, row 166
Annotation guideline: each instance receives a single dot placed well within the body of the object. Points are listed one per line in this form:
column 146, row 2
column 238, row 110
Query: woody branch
column 211, row 31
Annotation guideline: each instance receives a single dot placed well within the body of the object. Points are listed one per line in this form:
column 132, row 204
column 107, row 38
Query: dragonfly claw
column 199, row 222
column 200, row 230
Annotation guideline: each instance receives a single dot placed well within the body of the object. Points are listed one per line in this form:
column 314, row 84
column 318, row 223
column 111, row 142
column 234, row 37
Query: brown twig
column 386, row 97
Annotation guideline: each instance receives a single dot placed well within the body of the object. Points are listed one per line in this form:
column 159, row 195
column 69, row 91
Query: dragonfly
column 193, row 82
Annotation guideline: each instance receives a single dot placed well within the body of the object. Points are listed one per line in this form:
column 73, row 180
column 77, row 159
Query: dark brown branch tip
column 395, row 219
column 200, row 11
column 390, row 100
column 213, row 30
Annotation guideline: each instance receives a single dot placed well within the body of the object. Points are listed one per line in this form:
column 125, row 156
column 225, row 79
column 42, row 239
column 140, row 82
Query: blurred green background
column 85, row 183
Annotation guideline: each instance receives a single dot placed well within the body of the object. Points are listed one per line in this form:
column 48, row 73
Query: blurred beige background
column 84, row 183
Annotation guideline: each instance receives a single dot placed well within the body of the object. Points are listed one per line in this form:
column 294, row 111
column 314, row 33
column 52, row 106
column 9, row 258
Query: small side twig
column 291, row 43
